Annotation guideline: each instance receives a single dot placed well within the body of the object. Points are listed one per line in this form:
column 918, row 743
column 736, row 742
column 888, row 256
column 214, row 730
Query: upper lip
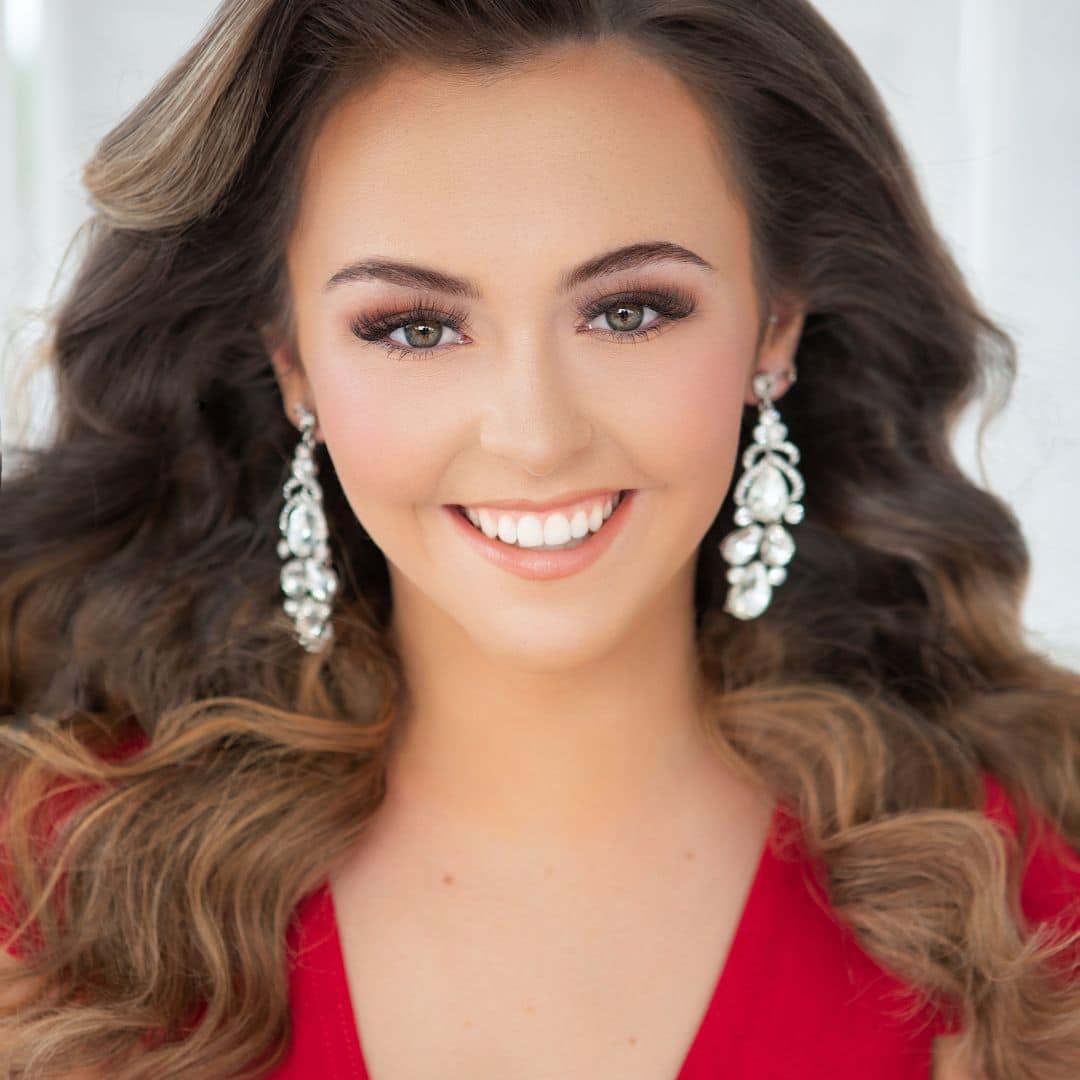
column 546, row 504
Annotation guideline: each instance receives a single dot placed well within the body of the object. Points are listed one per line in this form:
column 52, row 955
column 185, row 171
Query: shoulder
column 60, row 798
column 1049, row 896
column 1050, row 866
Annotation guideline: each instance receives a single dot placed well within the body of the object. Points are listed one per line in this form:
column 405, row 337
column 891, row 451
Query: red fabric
column 796, row 995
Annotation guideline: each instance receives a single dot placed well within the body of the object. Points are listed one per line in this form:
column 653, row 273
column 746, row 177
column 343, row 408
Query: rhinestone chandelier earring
column 307, row 578
column 758, row 552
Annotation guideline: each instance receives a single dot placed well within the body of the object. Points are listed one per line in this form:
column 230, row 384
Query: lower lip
column 536, row 562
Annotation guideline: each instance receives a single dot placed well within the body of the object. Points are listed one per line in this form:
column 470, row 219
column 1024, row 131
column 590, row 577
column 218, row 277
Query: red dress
column 795, row 996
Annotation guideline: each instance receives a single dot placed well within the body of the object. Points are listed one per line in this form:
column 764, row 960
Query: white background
column 985, row 94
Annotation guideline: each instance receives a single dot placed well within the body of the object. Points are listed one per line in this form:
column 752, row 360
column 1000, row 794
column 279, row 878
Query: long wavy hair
column 139, row 579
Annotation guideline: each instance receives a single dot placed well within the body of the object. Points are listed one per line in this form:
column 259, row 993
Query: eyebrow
column 629, row 257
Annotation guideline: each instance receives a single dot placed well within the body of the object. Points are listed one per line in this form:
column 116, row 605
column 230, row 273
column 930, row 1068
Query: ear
column 292, row 382
column 776, row 353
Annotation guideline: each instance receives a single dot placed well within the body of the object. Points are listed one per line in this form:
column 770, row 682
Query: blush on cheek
column 385, row 455
column 690, row 428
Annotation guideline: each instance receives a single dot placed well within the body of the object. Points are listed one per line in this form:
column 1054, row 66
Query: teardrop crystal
column 768, row 494
column 305, row 526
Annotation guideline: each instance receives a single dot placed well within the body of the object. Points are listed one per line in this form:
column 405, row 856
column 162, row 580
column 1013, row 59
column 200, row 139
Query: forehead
column 593, row 147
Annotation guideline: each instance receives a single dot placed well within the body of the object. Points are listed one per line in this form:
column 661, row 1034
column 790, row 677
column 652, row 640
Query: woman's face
column 530, row 389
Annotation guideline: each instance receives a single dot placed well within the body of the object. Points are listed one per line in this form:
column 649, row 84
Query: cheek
column 380, row 444
column 691, row 439
column 686, row 425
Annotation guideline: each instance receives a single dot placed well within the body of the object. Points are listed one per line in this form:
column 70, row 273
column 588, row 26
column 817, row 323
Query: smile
column 544, row 546
column 554, row 531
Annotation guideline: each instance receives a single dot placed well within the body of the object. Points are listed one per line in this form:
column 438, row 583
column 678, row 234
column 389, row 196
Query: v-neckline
column 730, row 983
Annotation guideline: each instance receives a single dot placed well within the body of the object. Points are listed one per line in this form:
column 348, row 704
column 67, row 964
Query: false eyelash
column 387, row 320
column 671, row 304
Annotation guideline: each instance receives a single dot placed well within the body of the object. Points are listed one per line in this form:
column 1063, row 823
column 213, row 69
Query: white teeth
column 485, row 521
column 552, row 531
column 579, row 524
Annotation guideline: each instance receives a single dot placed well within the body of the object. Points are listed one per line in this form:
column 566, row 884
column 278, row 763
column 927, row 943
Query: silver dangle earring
column 307, row 578
column 759, row 551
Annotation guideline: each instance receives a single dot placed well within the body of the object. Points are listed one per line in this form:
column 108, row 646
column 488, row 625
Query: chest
column 464, row 968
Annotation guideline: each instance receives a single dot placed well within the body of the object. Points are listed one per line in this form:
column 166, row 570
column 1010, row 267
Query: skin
column 589, row 709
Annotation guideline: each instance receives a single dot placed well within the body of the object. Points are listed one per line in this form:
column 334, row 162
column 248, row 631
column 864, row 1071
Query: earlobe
column 783, row 378
column 777, row 352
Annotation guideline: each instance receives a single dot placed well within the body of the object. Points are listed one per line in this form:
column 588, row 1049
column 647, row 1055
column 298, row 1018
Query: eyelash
column 670, row 304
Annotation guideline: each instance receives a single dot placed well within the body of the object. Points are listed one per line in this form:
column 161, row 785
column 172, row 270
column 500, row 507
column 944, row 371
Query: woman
column 405, row 678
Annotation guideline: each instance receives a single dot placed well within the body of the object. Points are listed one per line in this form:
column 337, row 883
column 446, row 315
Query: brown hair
column 139, row 576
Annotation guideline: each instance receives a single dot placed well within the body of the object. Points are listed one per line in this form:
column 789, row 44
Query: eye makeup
column 670, row 304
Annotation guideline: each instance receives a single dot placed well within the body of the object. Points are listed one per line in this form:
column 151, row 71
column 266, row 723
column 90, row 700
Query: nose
column 535, row 417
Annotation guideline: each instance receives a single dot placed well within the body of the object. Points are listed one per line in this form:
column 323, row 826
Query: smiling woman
column 486, row 780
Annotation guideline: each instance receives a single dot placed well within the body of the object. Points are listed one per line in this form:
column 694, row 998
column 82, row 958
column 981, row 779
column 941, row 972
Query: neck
column 556, row 754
